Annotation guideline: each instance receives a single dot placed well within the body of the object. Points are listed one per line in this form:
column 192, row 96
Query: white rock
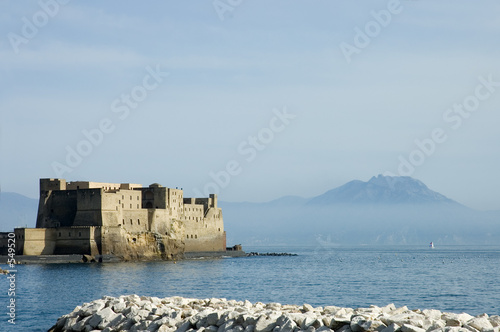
column 480, row 323
column 389, row 308
column 264, row 324
column 411, row 328
column 391, row 328
column 453, row 319
column 92, row 308
column 495, row 320
column 432, row 314
column 307, row 307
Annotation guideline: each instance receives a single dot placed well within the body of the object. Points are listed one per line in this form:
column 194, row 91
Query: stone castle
column 127, row 221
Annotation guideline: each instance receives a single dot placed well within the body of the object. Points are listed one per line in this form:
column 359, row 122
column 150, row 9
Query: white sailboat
column 431, row 245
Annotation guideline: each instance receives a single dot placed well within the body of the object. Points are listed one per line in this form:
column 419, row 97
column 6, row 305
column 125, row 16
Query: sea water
column 454, row 279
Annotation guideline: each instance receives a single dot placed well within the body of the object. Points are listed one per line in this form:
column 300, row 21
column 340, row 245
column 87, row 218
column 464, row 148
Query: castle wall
column 35, row 241
column 58, row 241
column 70, row 240
column 75, row 185
column 205, row 234
column 160, row 221
column 4, row 243
column 52, row 184
column 89, row 207
column 56, row 208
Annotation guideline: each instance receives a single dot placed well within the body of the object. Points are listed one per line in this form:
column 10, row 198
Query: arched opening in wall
column 196, row 236
column 138, row 221
column 191, row 235
column 187, row 236
column 149, row 205
column 131, row 223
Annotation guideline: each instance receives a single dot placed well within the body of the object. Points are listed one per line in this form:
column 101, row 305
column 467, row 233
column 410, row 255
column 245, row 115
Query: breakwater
column 253, row 253
column 140, row 313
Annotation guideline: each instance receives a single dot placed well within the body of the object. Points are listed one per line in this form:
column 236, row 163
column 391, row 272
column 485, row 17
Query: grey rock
column 183, row 327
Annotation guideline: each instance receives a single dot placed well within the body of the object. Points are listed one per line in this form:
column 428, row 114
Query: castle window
column 69, row 234
column 117, row 208
column 123, row 197
column 191, row 235
column 196, row 236
column 123, row 221
column 137, row 197
column 123, row 205
column 137, row 205
column 187, row 236
column 132, row 223
column 119, row 201
column 138, row 221
column 219, row 229
column 79, row 234
column 59, row 234
column 130, row 197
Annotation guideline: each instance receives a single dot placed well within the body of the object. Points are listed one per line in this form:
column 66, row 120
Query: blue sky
column 255, row 101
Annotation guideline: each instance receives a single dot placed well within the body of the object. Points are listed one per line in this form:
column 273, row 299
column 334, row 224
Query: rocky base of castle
column 140, row 313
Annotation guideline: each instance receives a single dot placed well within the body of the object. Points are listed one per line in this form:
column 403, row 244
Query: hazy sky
column 252, row 99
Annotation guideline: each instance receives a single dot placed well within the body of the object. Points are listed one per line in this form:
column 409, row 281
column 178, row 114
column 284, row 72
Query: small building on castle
column 127, row 221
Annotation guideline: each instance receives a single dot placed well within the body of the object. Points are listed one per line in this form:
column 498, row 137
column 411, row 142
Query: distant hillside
column 382, row 190
column 17, row 211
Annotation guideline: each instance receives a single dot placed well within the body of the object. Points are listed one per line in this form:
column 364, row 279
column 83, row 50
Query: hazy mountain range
column 383, row 210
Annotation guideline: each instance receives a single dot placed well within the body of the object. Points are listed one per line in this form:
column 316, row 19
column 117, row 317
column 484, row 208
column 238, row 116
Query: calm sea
column 456, row 279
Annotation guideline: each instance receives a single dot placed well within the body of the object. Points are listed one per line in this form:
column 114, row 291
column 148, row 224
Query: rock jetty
column 270, row 254
column 140, row 313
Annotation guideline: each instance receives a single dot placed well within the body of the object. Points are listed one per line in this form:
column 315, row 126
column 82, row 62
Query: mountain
column 382, row 190
column 17, row 211
column 383, row 210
